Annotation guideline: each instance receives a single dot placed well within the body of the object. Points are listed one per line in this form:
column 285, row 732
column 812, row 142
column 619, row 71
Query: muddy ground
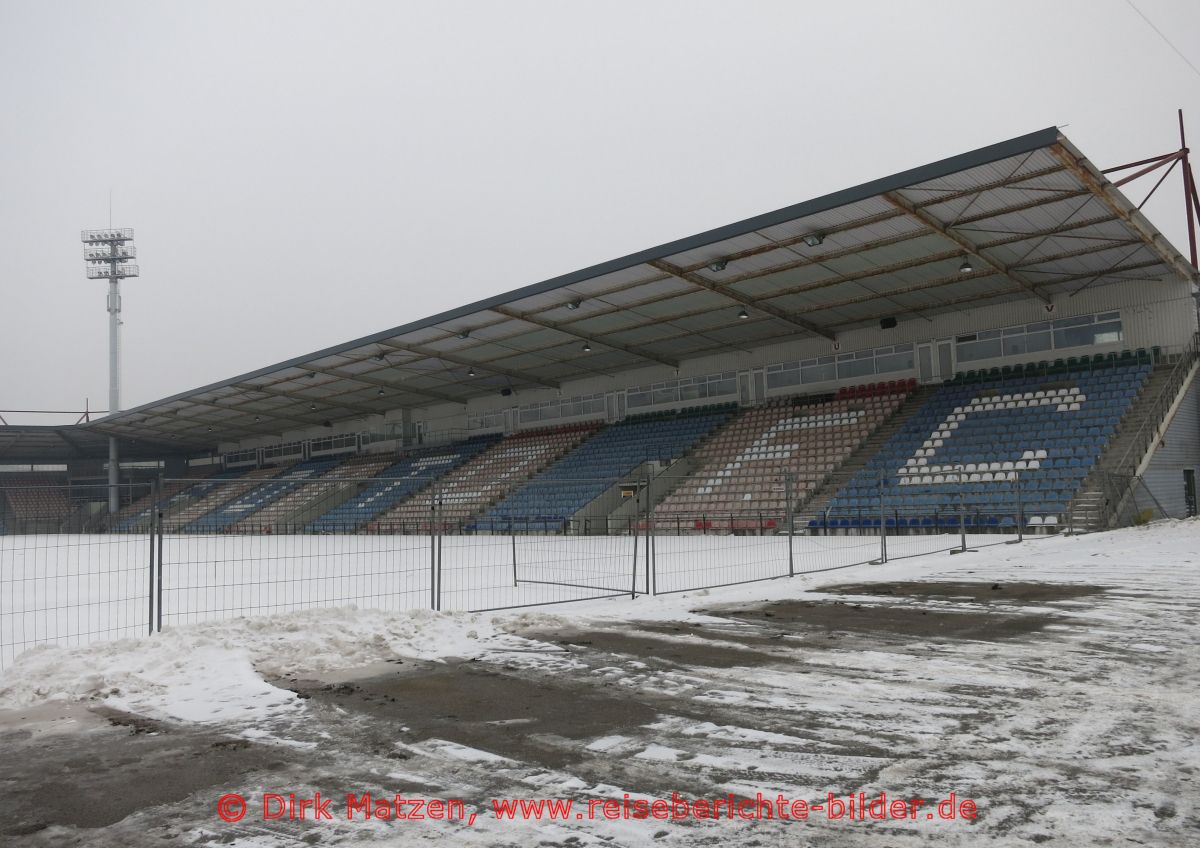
column 795, row 695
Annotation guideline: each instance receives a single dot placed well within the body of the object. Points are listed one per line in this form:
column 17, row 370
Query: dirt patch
column 694, row 649
column 908, row 622
column 530, row 721
column 113, row 766
column 974, row 592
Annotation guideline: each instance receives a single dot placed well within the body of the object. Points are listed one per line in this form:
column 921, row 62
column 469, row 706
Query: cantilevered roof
column 38, row 444
column 1030, row 216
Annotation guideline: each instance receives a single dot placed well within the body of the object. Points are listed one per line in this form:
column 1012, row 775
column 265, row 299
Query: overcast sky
column 299, row 174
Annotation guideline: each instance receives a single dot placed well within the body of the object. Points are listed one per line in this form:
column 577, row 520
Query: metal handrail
column 1162, row 405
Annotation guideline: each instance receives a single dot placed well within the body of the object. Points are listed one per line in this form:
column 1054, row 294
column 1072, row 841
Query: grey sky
column 299, row 174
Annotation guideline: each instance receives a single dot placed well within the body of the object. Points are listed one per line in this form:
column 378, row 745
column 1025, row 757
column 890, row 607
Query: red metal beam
column 1139, row 162
column 1188, row 191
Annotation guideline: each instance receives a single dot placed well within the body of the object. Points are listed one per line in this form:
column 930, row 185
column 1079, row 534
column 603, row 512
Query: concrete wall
column 1162, row 491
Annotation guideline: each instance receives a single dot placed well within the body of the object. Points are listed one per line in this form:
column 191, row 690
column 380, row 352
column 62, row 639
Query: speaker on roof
column 887, row 323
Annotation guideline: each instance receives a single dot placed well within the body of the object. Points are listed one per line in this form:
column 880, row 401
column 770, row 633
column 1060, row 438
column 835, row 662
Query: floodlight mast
column 108, row 253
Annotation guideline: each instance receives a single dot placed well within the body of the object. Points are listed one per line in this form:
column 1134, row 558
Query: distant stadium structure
column 995, row 343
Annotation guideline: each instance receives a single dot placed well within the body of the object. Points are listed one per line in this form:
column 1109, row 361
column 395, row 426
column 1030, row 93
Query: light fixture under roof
column 313, row 407
column 471, row 371
column 743, row 314
column 587, row 347
column 718, row 264
column 257, row 418
column 573, row 305
column 814, row 239
column 966, row 267
column 464, row 334
column 380, row 393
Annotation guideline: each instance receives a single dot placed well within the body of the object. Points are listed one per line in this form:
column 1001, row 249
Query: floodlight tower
column 108, row 254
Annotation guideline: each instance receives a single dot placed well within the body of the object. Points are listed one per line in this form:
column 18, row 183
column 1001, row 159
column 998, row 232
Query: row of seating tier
column 745, row 466
column 888, row 389
column 202, row 498
column 474, row 486
column 404, row 478
column 137, row 512
column 1045, row 368
column 278, row 513
column 1009, row 447
column 557, row 493
column 36, row 497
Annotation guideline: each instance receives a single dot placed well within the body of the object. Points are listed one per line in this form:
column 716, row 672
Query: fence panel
column 63, row 579
column 222, row 547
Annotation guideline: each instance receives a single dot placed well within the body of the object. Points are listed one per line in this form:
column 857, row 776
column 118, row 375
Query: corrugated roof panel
column 711, row 252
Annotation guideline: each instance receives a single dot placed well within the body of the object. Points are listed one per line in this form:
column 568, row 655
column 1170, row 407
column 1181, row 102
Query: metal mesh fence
column 184, row 551
column 61, row 583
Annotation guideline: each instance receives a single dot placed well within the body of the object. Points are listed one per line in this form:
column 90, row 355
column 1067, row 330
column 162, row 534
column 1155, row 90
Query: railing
column 1117, row 482
column 1144, row 435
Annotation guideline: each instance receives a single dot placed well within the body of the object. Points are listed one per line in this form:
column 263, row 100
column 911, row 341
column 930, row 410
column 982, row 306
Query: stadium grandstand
column 998, row 339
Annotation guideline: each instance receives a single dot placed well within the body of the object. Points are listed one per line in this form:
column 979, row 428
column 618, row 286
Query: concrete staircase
column 1094, row 505
column 820, row 498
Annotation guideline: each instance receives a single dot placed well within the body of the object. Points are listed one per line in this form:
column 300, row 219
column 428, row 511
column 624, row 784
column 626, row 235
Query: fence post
column 651, row 545
column 882, row 519
column 433, row 590
column 437, row 515
column 962, row 515
column 157, row 518
column 514, row 553
column 150, row 570
column 791, row 529
column 1020, row 507
column 632, row 525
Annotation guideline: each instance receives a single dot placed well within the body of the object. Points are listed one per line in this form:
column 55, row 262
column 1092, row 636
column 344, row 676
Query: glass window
column 819, row 373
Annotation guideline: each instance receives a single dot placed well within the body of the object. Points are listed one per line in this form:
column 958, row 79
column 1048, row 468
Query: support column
column 114, row 390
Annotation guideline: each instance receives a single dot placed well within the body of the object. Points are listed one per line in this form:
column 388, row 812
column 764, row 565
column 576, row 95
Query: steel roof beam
column 632, row 350
column 383, row 384
column 866, row 319
column 1031, row 264
column 468, row 363
column 887, row 242
column 966, row 244
column 745, row 300
column 365, row 410
column 1109, row 196
column 1007, row 182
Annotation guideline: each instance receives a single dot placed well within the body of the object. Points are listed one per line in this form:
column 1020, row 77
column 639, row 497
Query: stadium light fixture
column 380, row 393
column 743, row 314
column 718, row 265
column 471, row 371
column 966, row 267
column 587, row 347
column 108, row 255
column 464, row 334
column 814, row 239
column 573, row 305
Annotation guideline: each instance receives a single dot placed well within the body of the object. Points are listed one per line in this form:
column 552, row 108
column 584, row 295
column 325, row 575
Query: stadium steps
column 871, row 445
column 137, row 512
column 1092, row 508
column 217, row 492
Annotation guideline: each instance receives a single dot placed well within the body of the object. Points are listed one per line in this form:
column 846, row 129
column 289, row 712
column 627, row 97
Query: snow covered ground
column 1051, row 683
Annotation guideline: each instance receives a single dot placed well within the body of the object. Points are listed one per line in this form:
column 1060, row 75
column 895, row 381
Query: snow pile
column 214, row 671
